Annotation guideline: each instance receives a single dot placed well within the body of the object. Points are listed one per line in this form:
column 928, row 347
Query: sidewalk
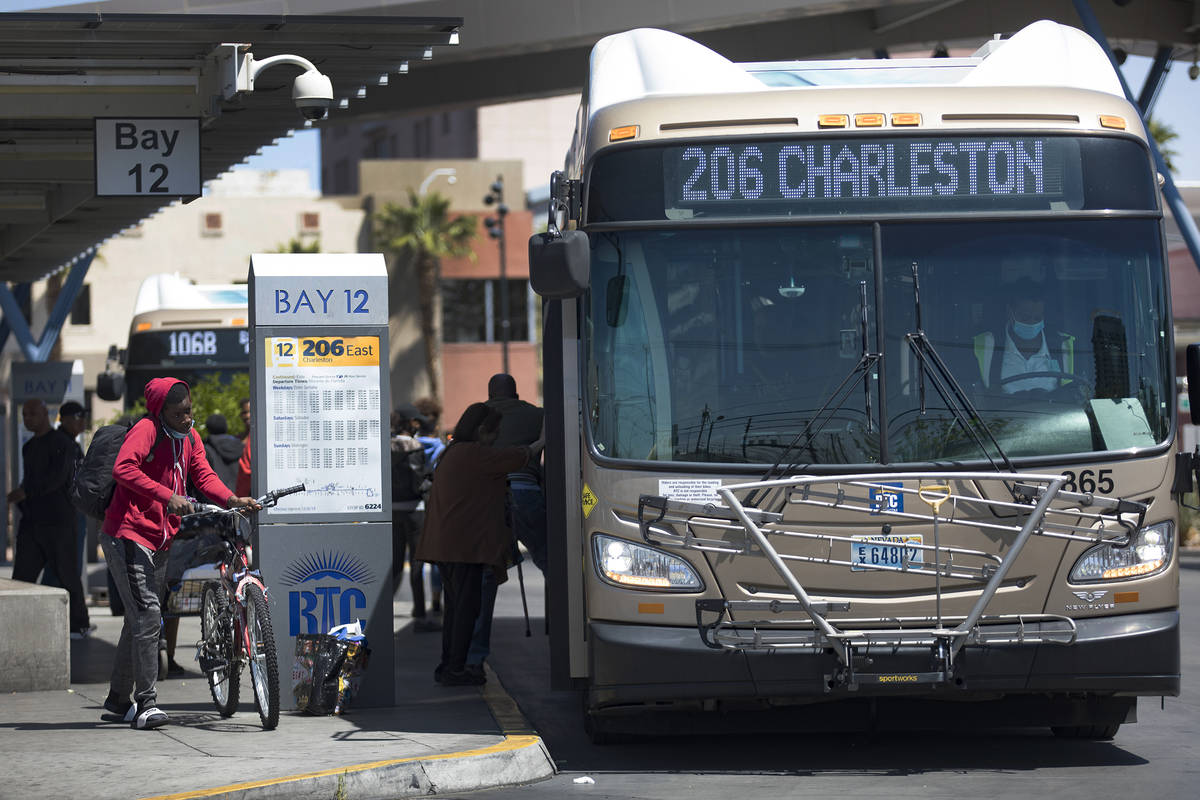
column 434, row 741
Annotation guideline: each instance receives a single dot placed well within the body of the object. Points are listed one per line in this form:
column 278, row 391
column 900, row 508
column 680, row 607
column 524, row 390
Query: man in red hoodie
column 160, row 455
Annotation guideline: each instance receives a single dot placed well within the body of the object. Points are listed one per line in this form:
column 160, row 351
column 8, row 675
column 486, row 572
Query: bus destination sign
column 912, row 169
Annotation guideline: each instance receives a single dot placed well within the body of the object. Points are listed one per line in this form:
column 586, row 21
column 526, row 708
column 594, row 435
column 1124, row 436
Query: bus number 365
column 1088, row 481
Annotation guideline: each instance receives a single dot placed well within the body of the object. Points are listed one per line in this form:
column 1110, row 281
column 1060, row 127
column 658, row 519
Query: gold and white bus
column 185, row 330
column 859, row 387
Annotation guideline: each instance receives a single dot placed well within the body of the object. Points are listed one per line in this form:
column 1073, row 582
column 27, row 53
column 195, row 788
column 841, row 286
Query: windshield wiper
column 951, row 392
column 866, row 362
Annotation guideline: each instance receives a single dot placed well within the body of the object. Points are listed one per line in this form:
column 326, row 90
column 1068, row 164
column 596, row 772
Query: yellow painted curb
column 509, row 744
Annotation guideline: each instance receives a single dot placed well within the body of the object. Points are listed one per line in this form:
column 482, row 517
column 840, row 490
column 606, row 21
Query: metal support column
column 1155, row 80
column 1183, row 218
column 14, row 319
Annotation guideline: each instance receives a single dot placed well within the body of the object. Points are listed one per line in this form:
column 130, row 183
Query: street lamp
column 495, row 228
column 450, row 173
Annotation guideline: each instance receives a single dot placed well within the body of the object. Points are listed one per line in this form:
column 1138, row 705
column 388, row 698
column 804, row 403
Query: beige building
column 207, row 241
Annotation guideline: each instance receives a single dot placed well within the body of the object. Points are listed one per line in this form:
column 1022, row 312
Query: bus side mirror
column 110, row 386
column 559, row 265
column 1193, row 375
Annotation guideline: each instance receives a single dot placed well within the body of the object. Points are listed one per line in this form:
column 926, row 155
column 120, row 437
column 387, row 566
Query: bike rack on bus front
column 1035, row 505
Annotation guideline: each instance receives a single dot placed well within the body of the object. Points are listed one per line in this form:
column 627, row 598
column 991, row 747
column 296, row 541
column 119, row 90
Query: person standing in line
column 46, row 535
column 222, row 449
column 410, row 473
column 520, row 424
column 429, row 411
column 465, row 531
column 242, row 481
column 159, row 455
column 72, row 421
column 244, row 415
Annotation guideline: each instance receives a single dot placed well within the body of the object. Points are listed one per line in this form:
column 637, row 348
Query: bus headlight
column 1149, row 552
column 636, row 566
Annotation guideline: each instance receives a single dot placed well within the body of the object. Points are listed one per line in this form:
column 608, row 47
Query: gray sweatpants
column 138, row 573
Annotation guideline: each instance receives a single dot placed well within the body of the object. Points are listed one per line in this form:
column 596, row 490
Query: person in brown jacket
column 466, row 531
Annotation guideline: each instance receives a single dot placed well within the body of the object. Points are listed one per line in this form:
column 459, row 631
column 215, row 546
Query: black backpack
column 93, row 484
column 410, row 475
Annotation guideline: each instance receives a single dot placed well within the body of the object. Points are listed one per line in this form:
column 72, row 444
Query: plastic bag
column 327, row 671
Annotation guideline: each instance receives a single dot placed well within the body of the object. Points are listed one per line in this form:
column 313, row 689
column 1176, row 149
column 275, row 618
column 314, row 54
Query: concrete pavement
column 433, row 741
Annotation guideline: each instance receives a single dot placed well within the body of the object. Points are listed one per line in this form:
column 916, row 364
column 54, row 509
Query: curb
column 516, row 760
column 521, row 758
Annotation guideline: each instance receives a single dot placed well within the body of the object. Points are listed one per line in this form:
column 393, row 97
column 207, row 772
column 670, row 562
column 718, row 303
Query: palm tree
column 295, row 245
column 422, row 234
column 1163, row 135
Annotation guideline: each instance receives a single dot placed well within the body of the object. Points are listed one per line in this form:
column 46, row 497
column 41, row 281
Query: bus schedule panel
column 190, row 346
column 871, row 175
column 322, row 421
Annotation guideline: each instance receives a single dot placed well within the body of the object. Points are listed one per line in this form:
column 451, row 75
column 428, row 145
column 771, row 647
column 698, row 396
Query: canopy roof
column 60, row 71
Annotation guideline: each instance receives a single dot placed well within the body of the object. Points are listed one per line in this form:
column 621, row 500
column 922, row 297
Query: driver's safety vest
column 986, row 349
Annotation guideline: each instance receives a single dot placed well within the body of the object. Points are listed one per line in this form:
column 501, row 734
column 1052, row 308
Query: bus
column 859, row 392
column 185, row 330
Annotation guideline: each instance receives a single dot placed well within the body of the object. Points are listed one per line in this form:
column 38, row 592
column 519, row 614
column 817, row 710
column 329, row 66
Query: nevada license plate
column 895, row 552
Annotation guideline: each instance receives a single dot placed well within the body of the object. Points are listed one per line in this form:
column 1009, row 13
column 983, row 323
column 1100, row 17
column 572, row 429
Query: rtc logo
column 325, row 604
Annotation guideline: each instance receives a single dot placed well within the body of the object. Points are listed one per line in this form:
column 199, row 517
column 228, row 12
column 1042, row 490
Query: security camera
column 312, row 93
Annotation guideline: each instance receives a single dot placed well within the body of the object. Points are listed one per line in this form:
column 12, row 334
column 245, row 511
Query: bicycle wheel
column 218, row 650
column 264, row 665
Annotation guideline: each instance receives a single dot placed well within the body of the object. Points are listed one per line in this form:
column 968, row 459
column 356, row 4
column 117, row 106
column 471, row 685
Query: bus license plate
column 885, row 551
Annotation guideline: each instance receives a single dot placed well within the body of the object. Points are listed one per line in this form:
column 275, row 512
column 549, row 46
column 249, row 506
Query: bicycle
column 235, row 619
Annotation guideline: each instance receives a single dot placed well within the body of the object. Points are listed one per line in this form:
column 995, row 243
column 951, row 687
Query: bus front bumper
column 640, row 665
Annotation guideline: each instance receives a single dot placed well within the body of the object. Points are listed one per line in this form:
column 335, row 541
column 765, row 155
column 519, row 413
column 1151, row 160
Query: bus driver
column 1025, row 347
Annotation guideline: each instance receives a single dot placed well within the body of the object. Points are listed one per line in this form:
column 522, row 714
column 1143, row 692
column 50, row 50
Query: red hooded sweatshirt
column 138, row 510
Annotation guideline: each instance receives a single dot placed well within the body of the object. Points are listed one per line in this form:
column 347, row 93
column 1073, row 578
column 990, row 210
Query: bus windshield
column 724, row 344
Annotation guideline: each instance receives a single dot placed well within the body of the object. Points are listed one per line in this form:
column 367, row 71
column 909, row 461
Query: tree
column 1163, row 135
column 295, row 245
column 422, row 234
column 210, row 395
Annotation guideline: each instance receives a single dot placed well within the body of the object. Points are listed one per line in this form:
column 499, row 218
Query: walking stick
column 524, row 603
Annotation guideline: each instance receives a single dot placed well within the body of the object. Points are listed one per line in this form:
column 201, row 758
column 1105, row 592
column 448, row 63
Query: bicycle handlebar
column 266, row 501
column 271, row 498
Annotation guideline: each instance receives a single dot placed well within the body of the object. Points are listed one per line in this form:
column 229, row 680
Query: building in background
column 472, row 347
column 534, row 132
column 207, row 241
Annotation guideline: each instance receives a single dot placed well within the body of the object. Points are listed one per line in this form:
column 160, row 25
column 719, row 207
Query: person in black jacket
column 46, row 534
column 222, row 449
column 521, row 423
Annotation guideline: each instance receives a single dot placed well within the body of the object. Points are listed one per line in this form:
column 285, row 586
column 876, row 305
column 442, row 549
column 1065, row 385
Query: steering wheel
column 1075, row 388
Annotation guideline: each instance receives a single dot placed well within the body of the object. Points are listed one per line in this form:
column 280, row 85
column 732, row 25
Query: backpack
column 410, row 475
column 93, row 484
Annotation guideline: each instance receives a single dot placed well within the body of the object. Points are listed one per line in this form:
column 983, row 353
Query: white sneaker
column 149, row 719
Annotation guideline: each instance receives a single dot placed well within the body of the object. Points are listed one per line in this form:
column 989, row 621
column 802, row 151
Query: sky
column 300, row 151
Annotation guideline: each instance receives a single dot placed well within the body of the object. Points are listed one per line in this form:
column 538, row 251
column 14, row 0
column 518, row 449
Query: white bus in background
column 790, row 454
column 185, row 330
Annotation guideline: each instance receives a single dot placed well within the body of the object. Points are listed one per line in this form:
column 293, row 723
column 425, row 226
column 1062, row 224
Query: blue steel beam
column 22, row 296
column 14, row 320
column 1183, row 218
column 1155, row 79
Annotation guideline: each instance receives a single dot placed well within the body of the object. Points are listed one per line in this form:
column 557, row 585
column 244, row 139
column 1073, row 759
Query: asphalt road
column 1159, row 757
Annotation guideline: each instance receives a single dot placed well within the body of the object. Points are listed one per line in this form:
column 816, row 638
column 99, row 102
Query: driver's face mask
column 1027, row 316
column 1028, row 330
